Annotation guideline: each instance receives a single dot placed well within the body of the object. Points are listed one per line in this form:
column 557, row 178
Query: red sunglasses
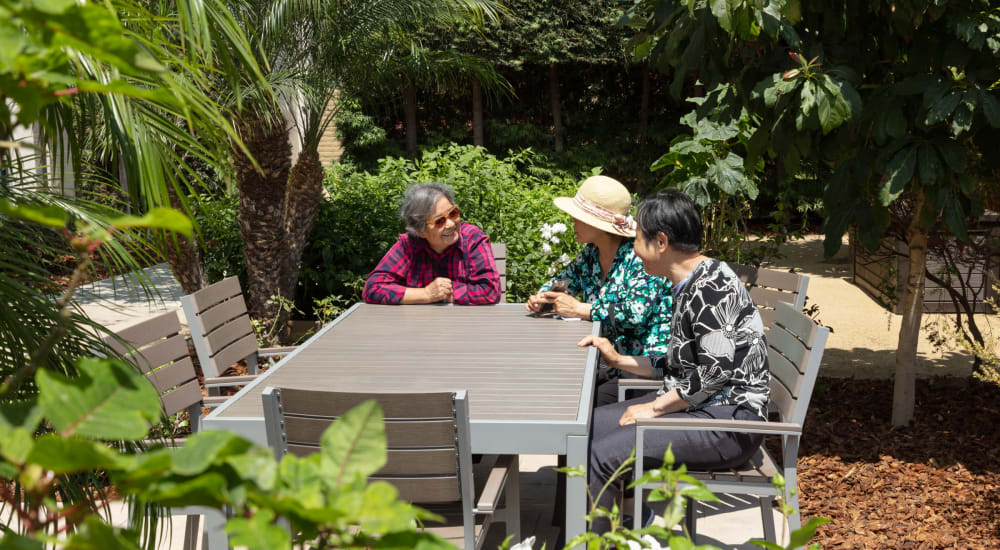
column 453, row 215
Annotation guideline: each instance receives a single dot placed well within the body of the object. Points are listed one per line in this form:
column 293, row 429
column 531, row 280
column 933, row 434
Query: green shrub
column 219, row 235
column 510, row 199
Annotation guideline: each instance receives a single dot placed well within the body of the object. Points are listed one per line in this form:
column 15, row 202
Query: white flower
column 525, row 544
column 564, row 259
column 653, row 544
column 551, row 271
column 546, row 231
column 547, row 248
column 555, row 240
column 558, row 228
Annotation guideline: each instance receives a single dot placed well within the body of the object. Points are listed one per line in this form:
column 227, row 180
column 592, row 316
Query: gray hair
column 418, row 201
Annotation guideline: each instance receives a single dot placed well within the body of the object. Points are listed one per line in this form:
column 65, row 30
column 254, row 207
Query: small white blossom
column 555, row 240
column 558, row 228
column 546, row 231
column 551, row 271
column 564, row 259
column 525, row 544
column 547, row 248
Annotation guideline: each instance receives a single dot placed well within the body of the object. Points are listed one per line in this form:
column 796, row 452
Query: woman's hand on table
column 563, row 304
column 439, row 290
column 534, row 303
column 609, row 354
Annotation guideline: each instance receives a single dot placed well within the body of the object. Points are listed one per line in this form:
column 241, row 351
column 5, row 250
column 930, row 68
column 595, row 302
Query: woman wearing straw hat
column 633, row 306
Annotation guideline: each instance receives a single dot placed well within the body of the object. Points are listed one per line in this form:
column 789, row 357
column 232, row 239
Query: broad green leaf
column 206, row 448
column 260, row 469
column 942, row 108
column 382, row 511
column 954, row 214
column 929, row 165
column 898, row 175
column 680, row 543
column 258, row 532
column 210, row 488
column 895, row 122
column 354, row 445
column 807, row 104
column 106, row 400
column 767, row 544
column 954, row 155
column 74, row 454
column 801, row 536
column 157, row 218
column 302, row 479
column 836, row 103
column 52, row 7
column 15, row 443
column 52, row 216
column 94, row 534
column 699, row 493
column 14, row 541
column 723, row 13
column 991, row 108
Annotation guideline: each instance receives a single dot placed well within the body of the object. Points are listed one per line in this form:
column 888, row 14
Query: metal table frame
column 489, row 436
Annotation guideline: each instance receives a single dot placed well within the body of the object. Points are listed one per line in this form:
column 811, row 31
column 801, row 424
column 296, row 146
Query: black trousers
column 611, row 444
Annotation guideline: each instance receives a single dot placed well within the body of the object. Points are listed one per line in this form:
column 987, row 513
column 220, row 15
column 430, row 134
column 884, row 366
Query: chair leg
column 767, row 517
column 691, row 519
column 191, row 532
column 214, row 535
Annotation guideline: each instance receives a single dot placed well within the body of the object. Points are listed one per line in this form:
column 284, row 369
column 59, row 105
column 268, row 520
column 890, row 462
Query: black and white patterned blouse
column 718, row 355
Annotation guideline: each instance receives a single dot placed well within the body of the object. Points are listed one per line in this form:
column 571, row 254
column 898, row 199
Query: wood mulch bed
column 934, row 484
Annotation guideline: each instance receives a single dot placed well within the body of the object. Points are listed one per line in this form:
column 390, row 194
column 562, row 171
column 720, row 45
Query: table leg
column 512, row 496
column 576, row 488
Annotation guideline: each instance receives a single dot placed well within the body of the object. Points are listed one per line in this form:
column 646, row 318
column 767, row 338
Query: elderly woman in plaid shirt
column 438, row 259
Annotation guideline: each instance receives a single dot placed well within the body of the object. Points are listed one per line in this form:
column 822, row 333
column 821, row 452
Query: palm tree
column 309, row 50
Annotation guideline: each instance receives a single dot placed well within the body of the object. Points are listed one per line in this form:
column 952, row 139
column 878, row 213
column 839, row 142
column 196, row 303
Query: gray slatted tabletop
column 530, row 388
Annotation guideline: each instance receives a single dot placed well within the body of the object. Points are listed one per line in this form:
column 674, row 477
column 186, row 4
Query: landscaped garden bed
column 935, row 484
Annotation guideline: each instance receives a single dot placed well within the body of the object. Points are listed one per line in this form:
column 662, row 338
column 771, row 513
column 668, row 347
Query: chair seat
column 754, row 477
column 452, row 528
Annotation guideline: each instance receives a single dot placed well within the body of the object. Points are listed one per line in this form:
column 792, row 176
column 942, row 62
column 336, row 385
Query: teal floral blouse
column 634, row 307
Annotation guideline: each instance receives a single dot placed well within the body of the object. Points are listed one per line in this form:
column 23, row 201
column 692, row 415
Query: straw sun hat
column 601, row 202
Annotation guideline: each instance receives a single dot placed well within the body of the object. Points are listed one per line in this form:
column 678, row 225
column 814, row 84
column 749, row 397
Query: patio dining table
column 530, row 388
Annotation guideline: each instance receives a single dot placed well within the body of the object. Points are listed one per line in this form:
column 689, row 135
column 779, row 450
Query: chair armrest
column 495, row 483
column 224, row 381
column 214, row 401
column 625, row 384
column 269, row 352
column 720, row 425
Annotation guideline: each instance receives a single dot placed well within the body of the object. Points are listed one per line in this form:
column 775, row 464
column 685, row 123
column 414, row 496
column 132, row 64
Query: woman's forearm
column 636, row 364
column 669, row 402
column 415, row 296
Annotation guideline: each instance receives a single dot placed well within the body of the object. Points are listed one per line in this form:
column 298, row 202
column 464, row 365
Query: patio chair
column 767, row 287
column 500, row 256
column 156, row 347
column 429, row 457
column 795, row 349
column 222, row 333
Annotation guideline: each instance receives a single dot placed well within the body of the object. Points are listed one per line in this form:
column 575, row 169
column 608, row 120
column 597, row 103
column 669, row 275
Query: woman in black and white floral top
column 716, row 366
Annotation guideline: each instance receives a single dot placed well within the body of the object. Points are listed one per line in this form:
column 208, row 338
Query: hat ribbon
column 624, row 224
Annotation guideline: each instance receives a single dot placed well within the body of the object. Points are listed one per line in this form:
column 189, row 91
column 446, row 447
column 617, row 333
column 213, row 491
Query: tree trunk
column 305, row 193
column 261, row 212
column 644, row 104
column 182, row 253
column 903, row 395
column 477, row 114
column 557, row 125
column 410, row 106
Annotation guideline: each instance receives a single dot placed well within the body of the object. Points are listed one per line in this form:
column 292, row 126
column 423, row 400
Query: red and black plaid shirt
column 412, row 263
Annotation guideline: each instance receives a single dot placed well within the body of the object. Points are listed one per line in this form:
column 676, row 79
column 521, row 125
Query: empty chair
column 795, row 349
column 429, row 458
column 221, row 331
column 156, row 347
column 500, row 256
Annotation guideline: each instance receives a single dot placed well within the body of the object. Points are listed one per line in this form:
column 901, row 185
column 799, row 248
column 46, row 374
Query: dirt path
column 864, row 338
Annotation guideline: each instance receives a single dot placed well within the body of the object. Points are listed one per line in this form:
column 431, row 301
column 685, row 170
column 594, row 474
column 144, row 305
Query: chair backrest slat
column 163, row 352
column 769, row 287
column 500, row 256
column 172, row 375
column 146, row 331
column 215, row 316
column 414, row 433
column 220, row 326
column 427, row 469
column 182, row 397
column 228, row 333
column 215, row 293
column 796, row 345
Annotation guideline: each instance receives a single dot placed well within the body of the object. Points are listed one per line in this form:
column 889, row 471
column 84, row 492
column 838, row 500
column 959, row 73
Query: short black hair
column 675, row 214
